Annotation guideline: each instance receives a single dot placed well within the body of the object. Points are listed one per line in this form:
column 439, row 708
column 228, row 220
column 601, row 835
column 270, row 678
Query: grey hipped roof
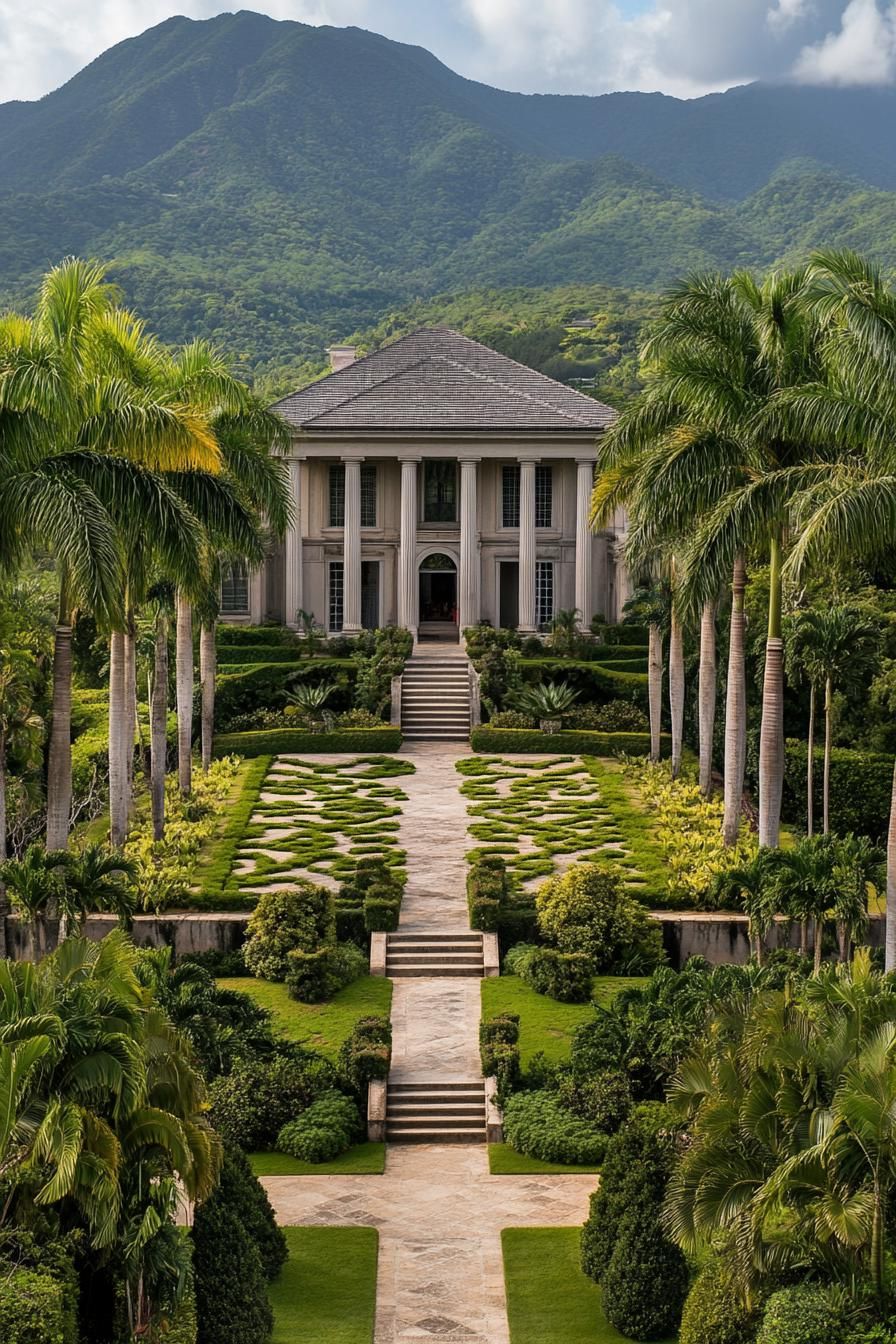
column 437, row 379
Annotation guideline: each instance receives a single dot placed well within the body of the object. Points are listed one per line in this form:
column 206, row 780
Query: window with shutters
column 235, row 589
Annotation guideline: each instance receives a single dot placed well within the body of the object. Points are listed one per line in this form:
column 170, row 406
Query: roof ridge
column 511, row 391
column 525, row 367
column 363, row 391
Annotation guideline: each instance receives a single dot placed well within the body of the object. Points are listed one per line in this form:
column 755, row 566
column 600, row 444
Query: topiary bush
column 537, row 1124
column 366, row 1053
column 488, row 890
column 251, row 1105
column 714, row 1313
column 499, row 1051
column 587, row 910
column 325, row 1130
column 301, row 917
column 32, row 1308
column 313, row 977
column 805, row 1313
column 646, row 1281
column 565, row 976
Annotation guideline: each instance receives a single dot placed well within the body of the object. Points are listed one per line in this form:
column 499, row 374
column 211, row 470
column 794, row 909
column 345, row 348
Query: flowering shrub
column 689, row 829
column 165, row 867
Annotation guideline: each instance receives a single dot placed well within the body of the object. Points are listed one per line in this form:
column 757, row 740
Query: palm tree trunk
column 890, row 952
column 158, row 730
column 735, row 708
column 207, row 661
column 676, row 690
column 184, row 689
column 706, row 694
column 818, row 938
column 130, row 712
column 810, row 765
column 655, row 687
column 59, row 763
column 4, row 901
column 826, row 780
column 118, row 804
column 771, row 732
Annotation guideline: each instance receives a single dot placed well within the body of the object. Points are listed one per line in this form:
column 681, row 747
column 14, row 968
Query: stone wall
column 724, row 937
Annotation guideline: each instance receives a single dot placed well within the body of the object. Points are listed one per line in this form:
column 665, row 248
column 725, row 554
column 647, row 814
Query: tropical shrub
column 587, row 910
column 616, row 716
column 252, row 1104
column 714, row 1312
column 803, row 1314
column 548, row 700
column 329, row 1126
column 689, row 828
column 537, row 1124
column 366, row 1053
column 604, row 1098
column 312, row 977
column 301, row 917
column 32, row 1308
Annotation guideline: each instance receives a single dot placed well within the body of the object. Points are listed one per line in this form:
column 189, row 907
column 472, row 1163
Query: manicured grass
column 326, row 1291
column 546, row 1024
column 362, row 1159
column 506, row 1161
column 549, row 1299
column 320, row 1026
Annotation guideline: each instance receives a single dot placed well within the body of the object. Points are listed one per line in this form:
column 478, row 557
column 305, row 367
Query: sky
column 682, row 47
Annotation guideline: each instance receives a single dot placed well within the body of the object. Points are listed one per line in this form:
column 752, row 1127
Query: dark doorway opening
column 508, row 594
column 438, row 598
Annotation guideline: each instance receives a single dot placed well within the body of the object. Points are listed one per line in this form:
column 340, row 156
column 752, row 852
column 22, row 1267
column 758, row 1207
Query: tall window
column 335, row 596
column 544, row 593
column 235, row 589
column 544, row 494
column 439, row 491
column 510, row 495
column 368, row 494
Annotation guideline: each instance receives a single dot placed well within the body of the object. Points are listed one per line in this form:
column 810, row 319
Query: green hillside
column 275, row 187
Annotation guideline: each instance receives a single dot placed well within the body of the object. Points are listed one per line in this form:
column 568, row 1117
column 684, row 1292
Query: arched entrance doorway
column 438, row 597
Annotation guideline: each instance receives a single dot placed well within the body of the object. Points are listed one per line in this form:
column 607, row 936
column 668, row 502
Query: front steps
column 435, row 697
column 434, row 955
column 435, row 1112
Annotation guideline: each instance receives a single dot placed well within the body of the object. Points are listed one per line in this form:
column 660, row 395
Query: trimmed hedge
column 861, row 785
column 267, row 685
column 592, row 681
column 536, row 1124
column 229, row 635
column 508, row 741
column 273, row 741
column 231, row 659
column 214, row 875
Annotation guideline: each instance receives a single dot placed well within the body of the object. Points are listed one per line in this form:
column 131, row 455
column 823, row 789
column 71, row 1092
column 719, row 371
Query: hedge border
column 515, row 741
column 275, row 741
column 213, row 878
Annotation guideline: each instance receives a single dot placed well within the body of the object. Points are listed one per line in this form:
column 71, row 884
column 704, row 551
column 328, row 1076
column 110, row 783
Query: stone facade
column 405, row 515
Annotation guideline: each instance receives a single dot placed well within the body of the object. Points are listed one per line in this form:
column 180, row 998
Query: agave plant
column 547, row 702
column 307, row 703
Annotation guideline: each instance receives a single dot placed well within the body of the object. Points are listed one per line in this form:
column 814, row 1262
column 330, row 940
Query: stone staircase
column 435, row 697
column 434, row 955
column 436, row 1112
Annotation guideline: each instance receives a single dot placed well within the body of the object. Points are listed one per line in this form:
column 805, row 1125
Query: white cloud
column 862, row 51
column 685, row 47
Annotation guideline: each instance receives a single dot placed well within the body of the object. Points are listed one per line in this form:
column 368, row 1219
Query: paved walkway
column 438, row 1210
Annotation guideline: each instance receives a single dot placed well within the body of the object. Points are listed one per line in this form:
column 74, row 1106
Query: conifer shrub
column 499, row 1051
column 232, row 1304
column 245, row 1196
column 646, row 1281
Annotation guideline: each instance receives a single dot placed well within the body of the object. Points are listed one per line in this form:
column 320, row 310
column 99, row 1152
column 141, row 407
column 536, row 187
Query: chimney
column 341, row 356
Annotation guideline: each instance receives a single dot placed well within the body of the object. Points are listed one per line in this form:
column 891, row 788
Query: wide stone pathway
column 438, row 1211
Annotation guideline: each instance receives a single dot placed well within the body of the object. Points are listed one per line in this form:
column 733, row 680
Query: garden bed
column 319, row 1026
column 549, row 1299
column 326, row 1291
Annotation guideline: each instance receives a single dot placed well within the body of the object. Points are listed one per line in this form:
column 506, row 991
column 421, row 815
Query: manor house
column 436, row 483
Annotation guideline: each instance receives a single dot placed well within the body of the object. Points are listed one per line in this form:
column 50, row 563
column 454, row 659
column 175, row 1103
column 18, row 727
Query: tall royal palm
column 78, row 440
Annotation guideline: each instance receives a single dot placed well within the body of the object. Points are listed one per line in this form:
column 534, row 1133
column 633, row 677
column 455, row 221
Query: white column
column 407, row 547
column 257, row 595
column 351, row 548
column 584, row 488
column 527, row 547
column 468, row 596
column 292, row 600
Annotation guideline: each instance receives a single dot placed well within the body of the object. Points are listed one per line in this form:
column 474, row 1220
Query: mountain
column 273, row 185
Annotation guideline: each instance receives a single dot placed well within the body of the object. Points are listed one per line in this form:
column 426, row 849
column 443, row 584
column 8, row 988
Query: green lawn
column 506, row 1161
column 549, row 1299
column 326, row 1291
column 546, row 1024
column 320, row 1026
column 362, row 1159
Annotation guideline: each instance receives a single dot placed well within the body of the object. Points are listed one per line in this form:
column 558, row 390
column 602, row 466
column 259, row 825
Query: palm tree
column 750, row 885
column 805, row 888
column 34, row 883
column 706, row 694
column 735, row 707
column 96, row 879
column 20, row 730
